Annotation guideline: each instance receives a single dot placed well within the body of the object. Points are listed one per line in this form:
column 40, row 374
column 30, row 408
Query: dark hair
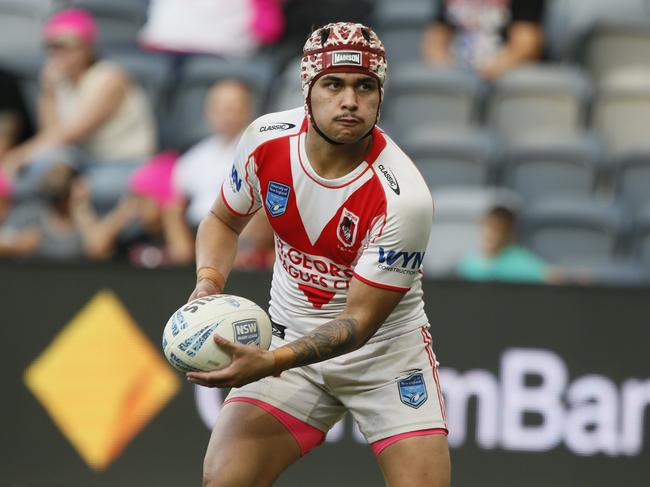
column 504, row 214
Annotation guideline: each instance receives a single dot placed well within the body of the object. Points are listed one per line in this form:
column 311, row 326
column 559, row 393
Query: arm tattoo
column 334, row 338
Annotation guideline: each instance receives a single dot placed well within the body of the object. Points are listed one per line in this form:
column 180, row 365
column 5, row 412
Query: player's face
column 344, row 105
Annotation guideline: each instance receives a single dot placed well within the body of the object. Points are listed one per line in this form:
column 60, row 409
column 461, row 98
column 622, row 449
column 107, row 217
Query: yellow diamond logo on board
column 101, row 380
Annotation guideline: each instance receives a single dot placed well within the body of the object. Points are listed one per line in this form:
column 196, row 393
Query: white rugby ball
column 187, row 339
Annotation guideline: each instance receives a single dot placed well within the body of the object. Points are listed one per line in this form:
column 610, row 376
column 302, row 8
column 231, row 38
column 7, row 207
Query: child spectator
column 500, row 258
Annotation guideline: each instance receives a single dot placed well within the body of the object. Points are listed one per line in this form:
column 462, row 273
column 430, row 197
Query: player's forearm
column 337, row 337
column 216, row 245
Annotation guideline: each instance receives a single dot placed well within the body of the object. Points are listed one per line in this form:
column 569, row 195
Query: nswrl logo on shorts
column 413, row 390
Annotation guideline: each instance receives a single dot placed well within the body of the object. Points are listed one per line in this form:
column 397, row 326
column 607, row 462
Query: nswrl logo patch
column 247, row 332
column 413, row 390
column 277, row 196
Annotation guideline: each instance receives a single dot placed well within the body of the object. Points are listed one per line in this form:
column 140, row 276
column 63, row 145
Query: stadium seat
column 418, row 95
column 611, row 46
column 400, row 26
column 453, row 157
column 541, row 166
column 641, row 236
column 568, row 22
column 456, row 230
column 184, row 119
column 539, row 98
column 119, row 21
column 574, row 231
column 21, row 22
column 621, row 110
column 103, row 179
column 633, row 180
column 287, row 89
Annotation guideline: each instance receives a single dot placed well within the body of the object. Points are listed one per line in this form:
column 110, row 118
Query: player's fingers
column 220, row 378
column 226, row 345
column 199, row 382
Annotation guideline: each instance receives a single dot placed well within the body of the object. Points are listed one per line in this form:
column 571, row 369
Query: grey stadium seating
column 453, row 157
column 642, row 237
column 185, row 123
column 287, row 90
column 540, row 166
column 21, row 23
column 574, row 231
column 421, row 95
column 118, row 21
column 621, row 110
column 568, row 22
column 633, row 180
column 539, row 98
column 610, row 46
column 456, row 229
column 400, row 26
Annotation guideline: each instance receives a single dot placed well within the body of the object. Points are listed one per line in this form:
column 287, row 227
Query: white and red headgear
column 342, row 47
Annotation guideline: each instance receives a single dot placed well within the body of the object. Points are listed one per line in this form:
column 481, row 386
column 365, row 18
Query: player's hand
column 249, row 363
column 205, row 287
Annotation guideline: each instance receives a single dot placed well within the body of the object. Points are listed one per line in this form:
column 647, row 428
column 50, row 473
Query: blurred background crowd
column 529, row 120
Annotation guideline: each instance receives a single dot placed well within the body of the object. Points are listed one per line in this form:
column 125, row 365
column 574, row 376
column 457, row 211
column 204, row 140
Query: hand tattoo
column 329, row 340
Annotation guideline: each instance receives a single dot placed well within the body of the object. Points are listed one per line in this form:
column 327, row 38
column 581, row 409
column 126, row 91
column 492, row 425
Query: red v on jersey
column 317, row 297
column 322, row 217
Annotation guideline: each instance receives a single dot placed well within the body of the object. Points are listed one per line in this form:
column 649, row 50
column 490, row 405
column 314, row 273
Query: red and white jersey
column 372, row 224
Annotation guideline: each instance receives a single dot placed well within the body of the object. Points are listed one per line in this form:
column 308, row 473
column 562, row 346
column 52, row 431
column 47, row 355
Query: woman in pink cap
column 87, row 106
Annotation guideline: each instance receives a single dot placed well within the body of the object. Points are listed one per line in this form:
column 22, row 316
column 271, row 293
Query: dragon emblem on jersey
column 347, row 227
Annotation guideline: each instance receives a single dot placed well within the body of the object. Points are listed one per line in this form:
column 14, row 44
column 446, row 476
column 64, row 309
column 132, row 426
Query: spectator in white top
column 90, row 111
column 228, row 111
column 223, row 27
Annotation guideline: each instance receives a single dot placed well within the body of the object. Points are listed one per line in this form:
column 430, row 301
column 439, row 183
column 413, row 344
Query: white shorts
column 390, row 387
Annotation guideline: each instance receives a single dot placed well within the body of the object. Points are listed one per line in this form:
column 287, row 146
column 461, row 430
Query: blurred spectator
column 147, row 225
column 89, row 110
column 201, row 170
column 224, row 27
column 489, row 36
column 500, row 258
column 199, row 173
column 47, row 227
column 15, row 125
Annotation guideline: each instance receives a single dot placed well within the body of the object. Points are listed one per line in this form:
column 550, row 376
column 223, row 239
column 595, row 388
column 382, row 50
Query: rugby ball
column 187, row 339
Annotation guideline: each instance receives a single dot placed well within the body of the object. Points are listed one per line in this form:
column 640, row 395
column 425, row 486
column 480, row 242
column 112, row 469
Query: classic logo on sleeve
column 246, row 332
column 390, row 178
column 413, row 391
column 277, row 126
column 347, row 227
column 277, row 196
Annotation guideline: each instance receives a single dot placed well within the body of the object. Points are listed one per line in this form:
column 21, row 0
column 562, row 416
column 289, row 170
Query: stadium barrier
column 544, row 385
